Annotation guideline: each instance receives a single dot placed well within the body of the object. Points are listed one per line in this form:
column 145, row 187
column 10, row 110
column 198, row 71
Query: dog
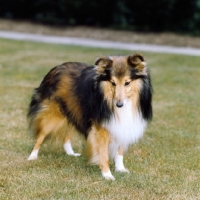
column 110, row 103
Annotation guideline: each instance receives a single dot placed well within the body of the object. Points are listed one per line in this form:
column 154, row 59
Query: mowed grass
column 164, row 164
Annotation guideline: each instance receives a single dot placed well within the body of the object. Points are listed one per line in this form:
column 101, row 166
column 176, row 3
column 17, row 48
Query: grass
column 165, row 164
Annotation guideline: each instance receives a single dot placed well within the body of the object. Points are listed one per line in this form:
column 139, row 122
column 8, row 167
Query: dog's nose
column 119, row 104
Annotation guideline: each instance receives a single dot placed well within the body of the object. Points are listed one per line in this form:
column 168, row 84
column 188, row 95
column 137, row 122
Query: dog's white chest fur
column 125, row 127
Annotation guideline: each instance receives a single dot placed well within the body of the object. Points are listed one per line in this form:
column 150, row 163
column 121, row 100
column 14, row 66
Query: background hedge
column 141, row 15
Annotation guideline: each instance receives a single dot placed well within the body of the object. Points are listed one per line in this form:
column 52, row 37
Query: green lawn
column 165, row 164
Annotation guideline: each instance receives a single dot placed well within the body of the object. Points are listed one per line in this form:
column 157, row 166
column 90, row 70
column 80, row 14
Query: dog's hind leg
column 119, row 164
column 69, row 131
column 41, row 128
column 47, row 122
column 39, row 140
column 68, row 148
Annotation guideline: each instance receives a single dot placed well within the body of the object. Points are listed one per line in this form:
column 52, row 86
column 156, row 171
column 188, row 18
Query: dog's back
column 67, row 72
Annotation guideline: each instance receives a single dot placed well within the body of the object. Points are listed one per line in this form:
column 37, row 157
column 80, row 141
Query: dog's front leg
column 119, row 164
column 97, row 150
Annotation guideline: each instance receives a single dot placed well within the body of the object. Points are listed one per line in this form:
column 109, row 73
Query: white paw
column 119, row 165
column 32, row 157
column 123, row 170
column 108, row 175
column 68, row 149
column 74, row 154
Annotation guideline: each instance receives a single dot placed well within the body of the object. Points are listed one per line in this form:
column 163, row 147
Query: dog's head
column 119, row 76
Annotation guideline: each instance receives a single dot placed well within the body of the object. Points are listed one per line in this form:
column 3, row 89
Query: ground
column 102, row 34
column 163, row 165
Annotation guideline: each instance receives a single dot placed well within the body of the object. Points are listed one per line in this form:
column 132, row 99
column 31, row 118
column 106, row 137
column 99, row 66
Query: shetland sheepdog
column 109, row 103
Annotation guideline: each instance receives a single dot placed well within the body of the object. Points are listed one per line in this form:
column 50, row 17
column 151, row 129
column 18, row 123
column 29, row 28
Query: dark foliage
column 140, row 15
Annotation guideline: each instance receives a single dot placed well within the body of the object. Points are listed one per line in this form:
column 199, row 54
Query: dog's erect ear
column 103, row 64
column 136, row 61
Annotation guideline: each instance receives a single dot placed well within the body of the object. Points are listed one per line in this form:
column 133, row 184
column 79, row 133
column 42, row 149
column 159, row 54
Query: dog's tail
column 33, row 110
column 44, row 91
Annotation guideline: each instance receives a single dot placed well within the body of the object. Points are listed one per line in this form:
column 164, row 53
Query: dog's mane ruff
column 145, row 93
column 89, row 92
column 146, row 97
column 139, row 70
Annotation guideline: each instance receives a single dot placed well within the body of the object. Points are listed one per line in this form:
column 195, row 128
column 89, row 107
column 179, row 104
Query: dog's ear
column 103, row 64
column 136, row 61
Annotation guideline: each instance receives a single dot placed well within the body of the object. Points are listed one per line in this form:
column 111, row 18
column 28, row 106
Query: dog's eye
column 127, row 83
column 113, row 83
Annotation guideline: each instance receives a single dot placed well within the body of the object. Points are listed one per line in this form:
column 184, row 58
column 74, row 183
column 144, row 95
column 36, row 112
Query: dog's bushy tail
column 33, row 110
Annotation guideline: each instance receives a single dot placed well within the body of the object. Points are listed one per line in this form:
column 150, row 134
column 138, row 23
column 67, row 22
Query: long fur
column 109, row 103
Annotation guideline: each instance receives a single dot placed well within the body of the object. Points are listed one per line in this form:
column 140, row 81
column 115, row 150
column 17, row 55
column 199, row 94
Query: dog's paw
column 68, row 149
column 32, row 157
column 123, row 170
column 74, row 154
column 108, row 175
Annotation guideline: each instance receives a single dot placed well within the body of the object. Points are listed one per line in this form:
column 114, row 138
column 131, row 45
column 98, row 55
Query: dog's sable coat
column 109, row 103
